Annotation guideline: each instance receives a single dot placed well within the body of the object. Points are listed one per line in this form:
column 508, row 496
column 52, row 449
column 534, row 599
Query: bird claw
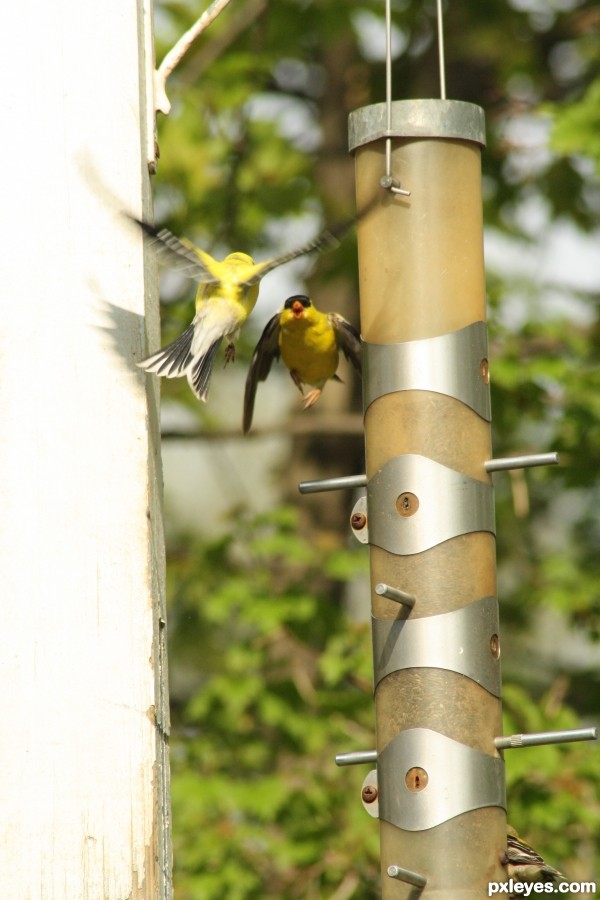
column 311, row 398
column 229, row 353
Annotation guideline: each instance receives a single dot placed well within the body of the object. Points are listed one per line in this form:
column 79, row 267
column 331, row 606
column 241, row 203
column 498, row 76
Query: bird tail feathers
column 173, row 360
column 177, row 359
column 199, row 375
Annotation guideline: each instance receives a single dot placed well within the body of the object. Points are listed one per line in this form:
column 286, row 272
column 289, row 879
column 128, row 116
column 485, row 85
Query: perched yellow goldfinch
column 308, row 342
column 523, row 864
column 226, row 295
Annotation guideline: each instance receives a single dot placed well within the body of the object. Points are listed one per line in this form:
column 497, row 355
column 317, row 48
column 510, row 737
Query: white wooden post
column 83, row 752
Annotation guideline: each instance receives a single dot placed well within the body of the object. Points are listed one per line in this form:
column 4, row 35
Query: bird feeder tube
column 430, row 499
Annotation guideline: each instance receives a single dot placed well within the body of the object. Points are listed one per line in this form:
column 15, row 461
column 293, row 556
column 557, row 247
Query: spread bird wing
column 265, row 352
column 321, row 242
column 347, row 339
column 179, row 255
column 327, row 239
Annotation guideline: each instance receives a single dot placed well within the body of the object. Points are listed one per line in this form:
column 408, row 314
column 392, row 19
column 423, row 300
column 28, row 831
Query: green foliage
column 270, row 680
column 576, row 127
column 553, row 790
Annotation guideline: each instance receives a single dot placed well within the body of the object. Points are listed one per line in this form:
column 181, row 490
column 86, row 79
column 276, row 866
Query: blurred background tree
column 270, row 645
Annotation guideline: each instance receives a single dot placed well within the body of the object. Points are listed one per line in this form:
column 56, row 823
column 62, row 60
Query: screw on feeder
column 407, row 504
column 369, row 793
column 416, row 779
column 495, row 646
column 358, row 521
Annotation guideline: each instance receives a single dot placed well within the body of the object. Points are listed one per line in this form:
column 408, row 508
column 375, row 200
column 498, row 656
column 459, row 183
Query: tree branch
column 350, row 424
column 178, row 51
column 212, row 50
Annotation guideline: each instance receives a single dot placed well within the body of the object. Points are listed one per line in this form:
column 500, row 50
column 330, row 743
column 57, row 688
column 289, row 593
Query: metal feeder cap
column 417, row 119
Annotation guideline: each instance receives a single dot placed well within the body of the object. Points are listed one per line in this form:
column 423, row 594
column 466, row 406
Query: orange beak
column 297, row 309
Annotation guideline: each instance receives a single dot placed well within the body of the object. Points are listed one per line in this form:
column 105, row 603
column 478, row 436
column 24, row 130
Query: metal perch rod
column 407, row 876
column 521, row 462
column 507, row 742
column 356, row 757
column 332, row 484
column 546, row 737
column 491, row 465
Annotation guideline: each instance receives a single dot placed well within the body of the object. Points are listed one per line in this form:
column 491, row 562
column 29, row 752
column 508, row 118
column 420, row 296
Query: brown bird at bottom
column 523, row 864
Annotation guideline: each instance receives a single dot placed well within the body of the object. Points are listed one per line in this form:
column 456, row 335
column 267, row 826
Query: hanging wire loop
column 387, row 181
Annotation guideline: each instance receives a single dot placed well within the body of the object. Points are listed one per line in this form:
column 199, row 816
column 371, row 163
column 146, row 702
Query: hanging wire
column 388, row 87
column 440, row 28
column 387, row 181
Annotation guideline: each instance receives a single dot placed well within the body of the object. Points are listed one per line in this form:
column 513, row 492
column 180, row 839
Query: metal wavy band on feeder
column 406, row 493
column 464, row 641
column 415, row 790
column 454, row 364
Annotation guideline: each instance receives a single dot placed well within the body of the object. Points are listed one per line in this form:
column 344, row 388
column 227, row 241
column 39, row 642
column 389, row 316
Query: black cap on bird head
column 297, row 303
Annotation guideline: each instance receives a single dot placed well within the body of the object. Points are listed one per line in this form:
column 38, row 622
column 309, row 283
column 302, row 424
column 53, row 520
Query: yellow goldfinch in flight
column 308, row 342
column 523, row 864
column 227, row 293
